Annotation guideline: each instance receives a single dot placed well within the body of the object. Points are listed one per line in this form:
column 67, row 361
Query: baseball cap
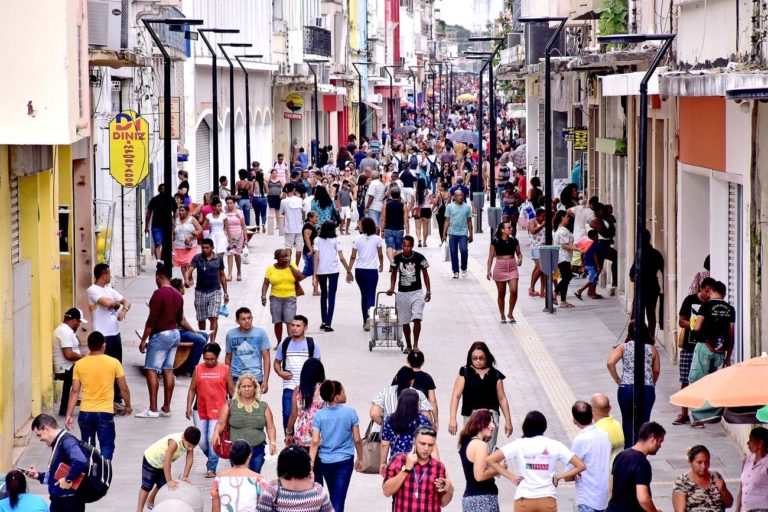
column 75, row 314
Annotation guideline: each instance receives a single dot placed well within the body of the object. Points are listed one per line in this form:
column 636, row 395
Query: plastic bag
column 224, row 310
column 246, row 255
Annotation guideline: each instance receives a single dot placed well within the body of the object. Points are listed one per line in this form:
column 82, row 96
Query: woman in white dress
column 216, row 223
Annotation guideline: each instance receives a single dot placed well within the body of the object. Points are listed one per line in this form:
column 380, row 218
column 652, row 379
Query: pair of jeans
column 257, row 458
column 287, row 405
column 260, row 208
column 626, row 401
column 115, row 349
column 66, row 378
column 337, row 476
column 245, row 205
column 328, row 286
column 198, row 339
column 458, row 243
column 565, row 278
column 367, row 280
column 71, row 503
column 206, row 428
column 375, row 215
column 101, row 425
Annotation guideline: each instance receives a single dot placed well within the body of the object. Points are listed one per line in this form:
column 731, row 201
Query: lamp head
column 541, row 19
column 633, row 38
column 237, row 45
column 175, row 21
column 220, row 30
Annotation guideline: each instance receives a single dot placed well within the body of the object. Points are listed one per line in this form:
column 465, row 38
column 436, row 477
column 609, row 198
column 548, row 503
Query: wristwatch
column 405, row 470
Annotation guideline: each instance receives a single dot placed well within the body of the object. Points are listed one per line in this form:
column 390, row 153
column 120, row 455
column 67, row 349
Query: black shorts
column 426, row 213
column 151, row 476
column 273, row 202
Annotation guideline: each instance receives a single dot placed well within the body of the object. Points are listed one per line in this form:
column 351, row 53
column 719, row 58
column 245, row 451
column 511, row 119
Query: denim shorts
column 393, row 239
column 157, row 236
column 151, row 476
column 161, row 350
column 535, row 253
column 592, row 274
column 309, row 265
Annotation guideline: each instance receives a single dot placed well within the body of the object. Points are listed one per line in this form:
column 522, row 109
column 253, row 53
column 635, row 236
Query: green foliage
column 613, row 18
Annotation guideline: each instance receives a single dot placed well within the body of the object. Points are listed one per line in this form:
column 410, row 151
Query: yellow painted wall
column 64, row 175
column 38, row 210
column 6, row 315
column 354, row 35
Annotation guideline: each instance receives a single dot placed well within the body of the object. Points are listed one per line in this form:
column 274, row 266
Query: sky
column 458, row 12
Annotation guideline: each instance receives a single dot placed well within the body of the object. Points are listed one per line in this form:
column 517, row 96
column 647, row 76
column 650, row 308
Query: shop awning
column 628, row 84
column 372, row 105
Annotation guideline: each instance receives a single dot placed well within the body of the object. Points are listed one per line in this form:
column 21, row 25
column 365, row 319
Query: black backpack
column 413, row 163
column 284, row 349
column 400, row 164
column 98, row 476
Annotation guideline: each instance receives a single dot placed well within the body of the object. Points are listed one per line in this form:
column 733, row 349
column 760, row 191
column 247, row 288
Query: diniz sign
column 128, row 148
column 292, row 115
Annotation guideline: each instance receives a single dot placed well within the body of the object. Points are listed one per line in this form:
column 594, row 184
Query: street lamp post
column 167, row 251
column 215, row 98
column 480, row 127
column 247, row 107
column 360, row 114
column 391, row 92
column 232, row 107
column 639, row 374
column 413, row 76
column 548, row 139
column 491, row 114
column 316, row 152
column 434, row 97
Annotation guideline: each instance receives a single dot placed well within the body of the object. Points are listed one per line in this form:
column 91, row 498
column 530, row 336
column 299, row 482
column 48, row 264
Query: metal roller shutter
column 202, row 177
column 15, row 246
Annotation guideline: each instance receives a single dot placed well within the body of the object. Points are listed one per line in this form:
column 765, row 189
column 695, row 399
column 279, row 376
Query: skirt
column 237, row 247
column 480, row 503
column 183, row 257
column 505, row 269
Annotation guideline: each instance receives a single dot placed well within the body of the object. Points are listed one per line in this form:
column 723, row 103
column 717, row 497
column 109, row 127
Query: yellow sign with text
column 128, row 148
column 294, row 102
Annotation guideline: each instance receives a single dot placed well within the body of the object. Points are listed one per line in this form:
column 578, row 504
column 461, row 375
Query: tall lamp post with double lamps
column 215, row 97
column 413, row 77
column 548, row 141
column 639, row 374
column 167, row 251
column 391, row 103
column 232, row 107
column 316, row 152
column 247, row 106
column 360, row 111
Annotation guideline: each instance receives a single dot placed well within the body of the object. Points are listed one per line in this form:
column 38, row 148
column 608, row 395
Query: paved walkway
column 549, row 361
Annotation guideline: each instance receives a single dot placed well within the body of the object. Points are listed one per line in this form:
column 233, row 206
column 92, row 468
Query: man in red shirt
column 166, row 312
column 416, row 481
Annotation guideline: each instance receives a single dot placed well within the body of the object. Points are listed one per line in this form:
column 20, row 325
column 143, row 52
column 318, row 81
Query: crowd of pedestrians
column 386, row 189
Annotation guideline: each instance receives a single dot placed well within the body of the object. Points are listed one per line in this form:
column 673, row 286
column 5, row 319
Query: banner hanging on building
column 128, row 148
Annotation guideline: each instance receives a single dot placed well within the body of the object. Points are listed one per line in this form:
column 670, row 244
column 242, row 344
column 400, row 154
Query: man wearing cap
column 108, row 308
column 66, row 350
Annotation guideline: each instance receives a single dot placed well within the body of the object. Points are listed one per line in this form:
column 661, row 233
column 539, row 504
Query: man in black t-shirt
column 689, row 311
column 632, row 475
column 160, row 210
column 714, row 344
column 410, row 266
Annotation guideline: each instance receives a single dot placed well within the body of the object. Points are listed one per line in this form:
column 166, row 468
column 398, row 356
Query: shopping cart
column 386, row 330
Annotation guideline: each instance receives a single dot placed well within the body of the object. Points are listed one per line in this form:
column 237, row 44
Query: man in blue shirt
column 458, row 216
column 248, row 349
column 459, row 186
column 302, row 158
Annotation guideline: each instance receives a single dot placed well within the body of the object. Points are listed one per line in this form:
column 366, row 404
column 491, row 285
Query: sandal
column 596, row 296
column 532, row 293
column 512, row 320
column 566, row 305
column 578, row 295
column 239, row 277
column 503, row 320
column 681, row 420
column 229, row 278
column 697, row 424
column 210, row 474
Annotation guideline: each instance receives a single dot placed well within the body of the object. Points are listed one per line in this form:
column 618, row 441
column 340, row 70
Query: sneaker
column 463, row 273
column 367, row 325
column 455, row 275
column 164, row 414
column 328, row 328
column 322, row 327
column 146, row 413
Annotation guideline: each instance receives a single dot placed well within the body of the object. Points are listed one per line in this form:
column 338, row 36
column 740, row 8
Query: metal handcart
column 386, row 330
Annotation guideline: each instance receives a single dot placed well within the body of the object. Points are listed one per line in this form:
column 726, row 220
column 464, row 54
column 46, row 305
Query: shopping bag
column 371, row 450
column 246, row 255
column 224, row 310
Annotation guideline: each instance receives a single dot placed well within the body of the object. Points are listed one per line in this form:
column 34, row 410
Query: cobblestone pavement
column 549, row 361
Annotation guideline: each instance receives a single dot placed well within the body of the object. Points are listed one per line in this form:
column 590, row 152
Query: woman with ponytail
column 18, row 499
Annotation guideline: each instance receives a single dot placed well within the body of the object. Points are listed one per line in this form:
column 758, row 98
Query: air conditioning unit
column 514, row 39
column 104, row 24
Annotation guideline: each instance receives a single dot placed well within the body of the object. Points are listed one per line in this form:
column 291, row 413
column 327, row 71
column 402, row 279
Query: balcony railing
column 317, row 41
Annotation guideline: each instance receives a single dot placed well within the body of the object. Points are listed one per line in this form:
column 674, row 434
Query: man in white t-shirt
column 532, row 463
column 108, row 308
column 593, row 446
column 292, row 211
column 66, row 351
column 374, row 198
column 290, row 359
column 282, row 169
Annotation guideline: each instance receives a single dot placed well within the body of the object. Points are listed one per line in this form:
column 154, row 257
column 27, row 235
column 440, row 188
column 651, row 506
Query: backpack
column 284, row 349
column 413, row 163
column 400, row 164
column 98, row 476
column 431, row 167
